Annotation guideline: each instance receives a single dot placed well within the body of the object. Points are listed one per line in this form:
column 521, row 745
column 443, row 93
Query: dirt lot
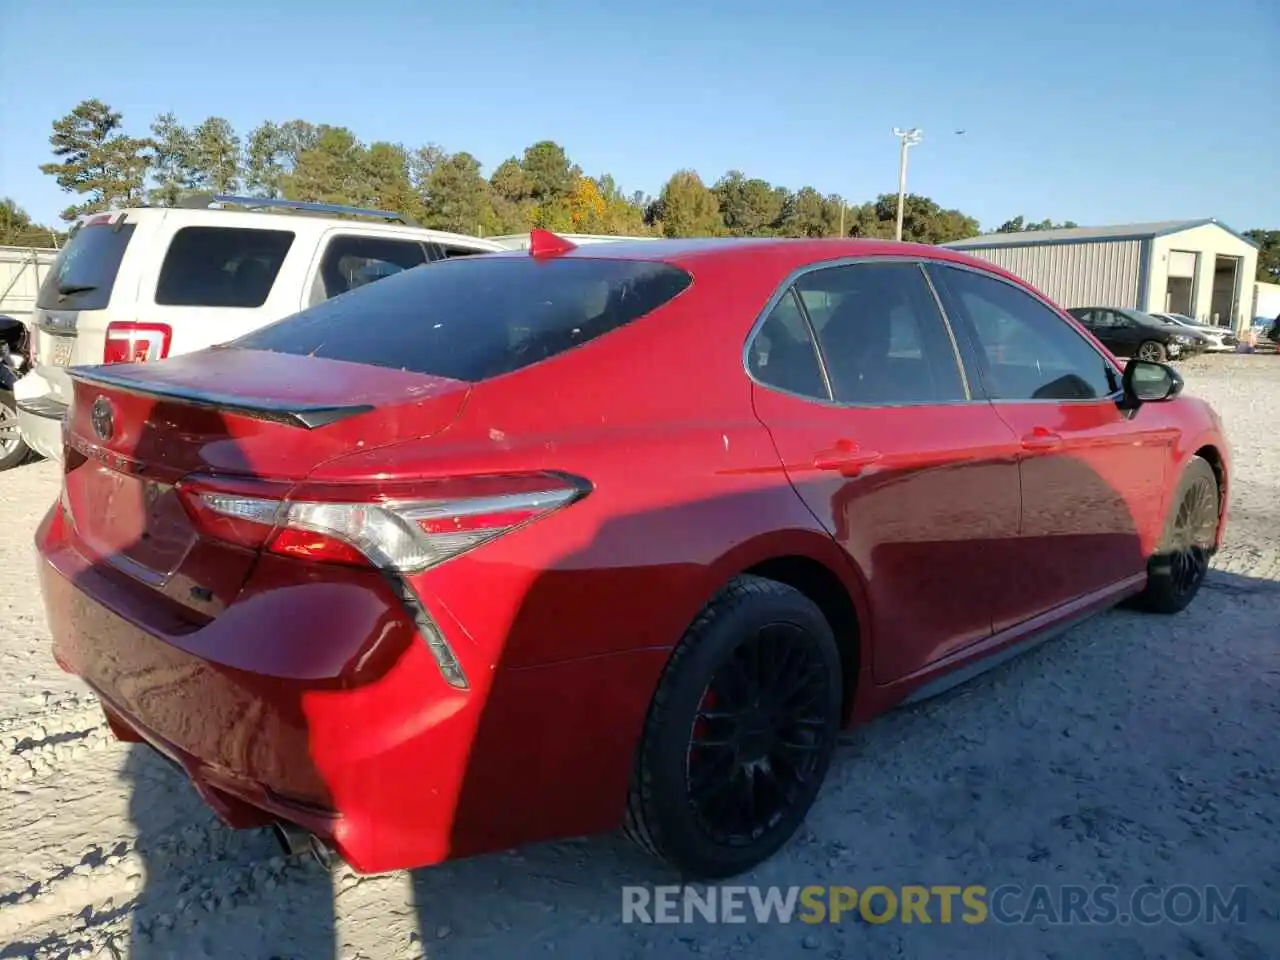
column 1133, row 750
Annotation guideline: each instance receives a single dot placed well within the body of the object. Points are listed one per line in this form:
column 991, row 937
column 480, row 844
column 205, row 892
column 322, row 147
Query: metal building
column 22, row 269
column 1200, row 268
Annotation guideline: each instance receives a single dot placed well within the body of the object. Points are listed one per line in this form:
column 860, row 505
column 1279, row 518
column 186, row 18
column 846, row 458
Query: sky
column 1097, row 112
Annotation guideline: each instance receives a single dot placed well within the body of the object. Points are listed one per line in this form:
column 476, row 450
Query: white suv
column 147, row 283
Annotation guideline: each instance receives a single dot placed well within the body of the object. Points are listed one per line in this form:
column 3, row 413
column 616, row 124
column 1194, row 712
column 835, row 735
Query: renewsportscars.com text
column 944, row 903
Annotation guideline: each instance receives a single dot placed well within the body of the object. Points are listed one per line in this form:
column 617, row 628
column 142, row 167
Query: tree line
column 103, row 165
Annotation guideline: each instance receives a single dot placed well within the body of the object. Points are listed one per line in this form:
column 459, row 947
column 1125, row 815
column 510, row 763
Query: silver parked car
column 1221, row 339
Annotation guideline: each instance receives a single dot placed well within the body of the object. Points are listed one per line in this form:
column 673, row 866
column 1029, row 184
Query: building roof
column 1124, row 231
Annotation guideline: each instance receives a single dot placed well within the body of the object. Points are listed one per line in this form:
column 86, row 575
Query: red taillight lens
column 136, row 342
column 395, row 527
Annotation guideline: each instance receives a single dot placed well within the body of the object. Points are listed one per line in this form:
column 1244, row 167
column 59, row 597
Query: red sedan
column 535, row 544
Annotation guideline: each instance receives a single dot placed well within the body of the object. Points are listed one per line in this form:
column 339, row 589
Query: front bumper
column 40, row 416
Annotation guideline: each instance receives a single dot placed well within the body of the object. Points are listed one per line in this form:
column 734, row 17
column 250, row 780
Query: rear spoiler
column 308, row 416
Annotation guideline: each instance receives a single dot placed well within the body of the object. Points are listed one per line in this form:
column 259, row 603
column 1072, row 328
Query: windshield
column 473, row 318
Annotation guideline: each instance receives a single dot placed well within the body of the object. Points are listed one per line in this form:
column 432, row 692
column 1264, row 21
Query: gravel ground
column 1133, row 750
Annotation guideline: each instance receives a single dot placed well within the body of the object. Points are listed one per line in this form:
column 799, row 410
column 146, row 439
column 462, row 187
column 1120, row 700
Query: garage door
column 1182, row 263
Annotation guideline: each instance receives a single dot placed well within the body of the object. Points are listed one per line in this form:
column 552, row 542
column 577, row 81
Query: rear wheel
column 13, row 449
column 740, row 732
column 1152, row 351
column 1177, row 570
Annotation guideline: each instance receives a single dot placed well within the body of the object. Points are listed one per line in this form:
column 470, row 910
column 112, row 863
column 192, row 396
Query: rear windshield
column 473, row 318
column 221, row 267
column 85, row 271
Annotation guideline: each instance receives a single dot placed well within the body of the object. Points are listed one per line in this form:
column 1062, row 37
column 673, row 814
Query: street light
column 908, row 138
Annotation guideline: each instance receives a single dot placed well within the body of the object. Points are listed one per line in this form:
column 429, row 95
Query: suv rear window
column 85, row 271
column 472, row 318
column 221, row 267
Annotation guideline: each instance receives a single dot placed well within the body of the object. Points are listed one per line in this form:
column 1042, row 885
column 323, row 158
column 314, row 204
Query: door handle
column 845, row 457
column 1041, row 438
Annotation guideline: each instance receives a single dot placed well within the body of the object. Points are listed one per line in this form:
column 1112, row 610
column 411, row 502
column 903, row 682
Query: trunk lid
column 136, row 430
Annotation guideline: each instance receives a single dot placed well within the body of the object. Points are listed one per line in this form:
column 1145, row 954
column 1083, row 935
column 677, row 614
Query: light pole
column 908, row 138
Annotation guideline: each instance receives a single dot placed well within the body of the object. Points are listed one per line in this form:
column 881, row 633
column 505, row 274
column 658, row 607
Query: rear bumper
column 319, row 704
column 39, row 416
column 371, row 761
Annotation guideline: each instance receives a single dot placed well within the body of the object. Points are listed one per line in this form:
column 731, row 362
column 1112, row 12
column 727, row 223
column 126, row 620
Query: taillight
column 401, row 528
column 398, row 528
column 129, row 342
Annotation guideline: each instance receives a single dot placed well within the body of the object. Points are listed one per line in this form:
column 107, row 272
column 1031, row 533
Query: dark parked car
column 14, row 362
column 1132, row 333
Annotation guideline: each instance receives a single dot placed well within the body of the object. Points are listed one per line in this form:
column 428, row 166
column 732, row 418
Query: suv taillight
column 136, row 342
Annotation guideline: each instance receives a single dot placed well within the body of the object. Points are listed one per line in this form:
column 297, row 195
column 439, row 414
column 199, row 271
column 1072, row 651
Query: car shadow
column 208, row 891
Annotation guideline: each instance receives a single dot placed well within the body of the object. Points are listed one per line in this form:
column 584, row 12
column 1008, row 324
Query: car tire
column 1178, row 568
column 13, row 449
column 756, row 639
column 1152, row 350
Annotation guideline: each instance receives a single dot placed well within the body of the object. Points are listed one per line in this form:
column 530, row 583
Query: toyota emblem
column 103, row 421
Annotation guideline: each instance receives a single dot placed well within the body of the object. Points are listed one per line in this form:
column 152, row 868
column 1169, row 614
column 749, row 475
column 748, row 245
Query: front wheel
column 740, row 732
column 1176, row 572
column 13, row 449
column 1152, row 351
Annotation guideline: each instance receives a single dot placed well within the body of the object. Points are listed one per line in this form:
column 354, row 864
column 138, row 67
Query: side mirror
column 1146, row 381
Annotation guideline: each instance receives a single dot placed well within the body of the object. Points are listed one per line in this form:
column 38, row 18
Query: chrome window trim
column 815, row 345
column 1112, row 397
column 788, row 285
column 951, row 334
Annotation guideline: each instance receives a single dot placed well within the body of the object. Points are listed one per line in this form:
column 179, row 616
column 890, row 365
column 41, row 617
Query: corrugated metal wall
column 21, row 270
column 1103, row 274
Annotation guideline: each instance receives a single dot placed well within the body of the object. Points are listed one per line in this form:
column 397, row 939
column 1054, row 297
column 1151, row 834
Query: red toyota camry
column 535, row 544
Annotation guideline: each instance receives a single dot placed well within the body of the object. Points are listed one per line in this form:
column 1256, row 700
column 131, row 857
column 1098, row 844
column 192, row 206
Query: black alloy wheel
column 757, row 737
column 740, row 731
column 1178, row 569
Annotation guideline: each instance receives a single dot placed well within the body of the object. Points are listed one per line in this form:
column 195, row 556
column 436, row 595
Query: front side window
column 221, row 267
column 1030, row 352
column 881, row 334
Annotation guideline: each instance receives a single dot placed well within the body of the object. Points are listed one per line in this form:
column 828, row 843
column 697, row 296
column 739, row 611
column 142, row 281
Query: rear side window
column 85, row 271
column 351, row 261
column 451, row 251
column 472, row 318
column 221, row 267
column 782, row 353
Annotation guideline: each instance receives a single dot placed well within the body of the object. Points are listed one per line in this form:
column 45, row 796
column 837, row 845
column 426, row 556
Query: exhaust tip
column 294, row 841
column 322, row 852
